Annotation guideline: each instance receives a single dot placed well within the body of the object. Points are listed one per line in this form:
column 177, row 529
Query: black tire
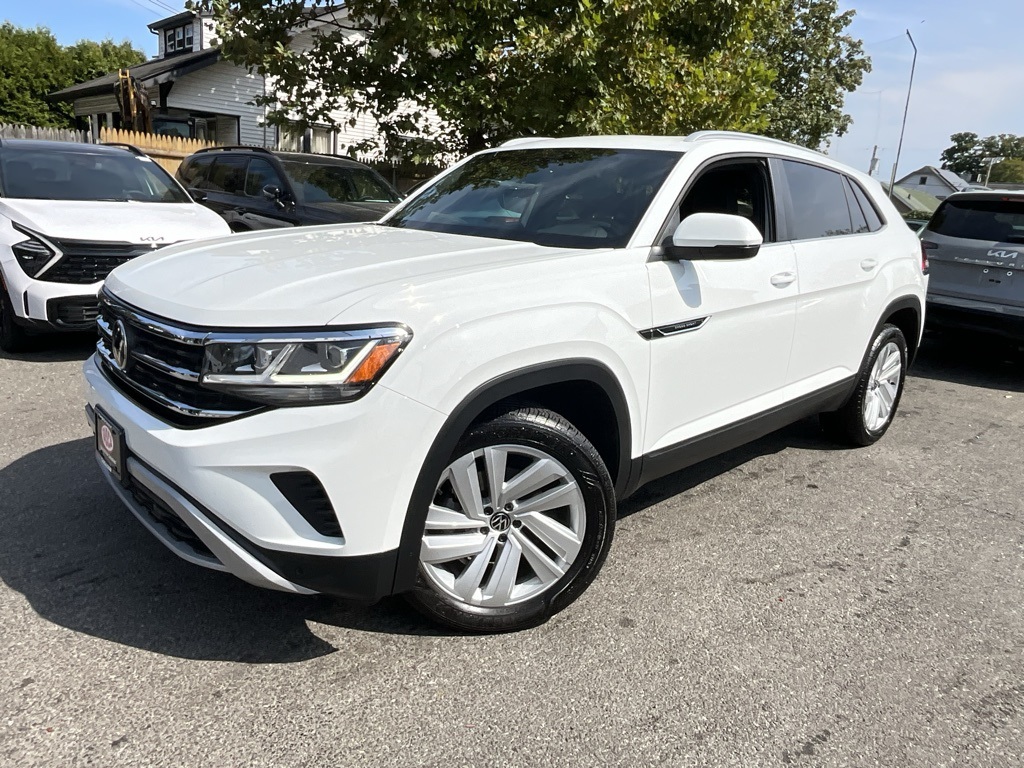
column 543, row 431
column 849, row 425
column 13, row 338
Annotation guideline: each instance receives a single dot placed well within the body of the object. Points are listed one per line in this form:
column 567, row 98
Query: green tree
column 816, row 64
column 969, row 155
column 33, row 64
column 497, row 69
column 1009, row 171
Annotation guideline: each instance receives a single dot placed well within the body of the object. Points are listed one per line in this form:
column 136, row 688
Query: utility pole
column 874, row 161
column 906, row 109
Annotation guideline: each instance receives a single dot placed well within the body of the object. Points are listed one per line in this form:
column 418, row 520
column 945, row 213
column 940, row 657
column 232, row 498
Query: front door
column 722, row 330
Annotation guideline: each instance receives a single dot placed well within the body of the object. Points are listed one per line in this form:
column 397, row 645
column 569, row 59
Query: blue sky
column 968, row 76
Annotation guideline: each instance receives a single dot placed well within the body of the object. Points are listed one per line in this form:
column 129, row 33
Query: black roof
column 152, row 72
column 298, row 157
column 61, row 146
column 172, row 21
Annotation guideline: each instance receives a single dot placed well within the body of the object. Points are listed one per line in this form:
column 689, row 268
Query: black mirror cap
column 270, row 192
column 716, row 253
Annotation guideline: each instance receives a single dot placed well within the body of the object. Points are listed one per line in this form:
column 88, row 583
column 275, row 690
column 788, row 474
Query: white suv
column 449, row 403
column 70, row 213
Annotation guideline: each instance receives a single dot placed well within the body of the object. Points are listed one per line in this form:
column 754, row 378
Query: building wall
column 226, row 89
column 933, row 185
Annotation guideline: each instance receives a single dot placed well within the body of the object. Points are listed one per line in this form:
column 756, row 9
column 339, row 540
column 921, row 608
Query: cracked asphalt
column 789, row 603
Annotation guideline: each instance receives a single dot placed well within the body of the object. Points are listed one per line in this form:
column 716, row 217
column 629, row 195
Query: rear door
column 831, row 225
column 976, row 250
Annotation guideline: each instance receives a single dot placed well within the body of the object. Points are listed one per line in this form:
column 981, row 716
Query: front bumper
column 207, row 494
column 43, row 306
column 970, row 314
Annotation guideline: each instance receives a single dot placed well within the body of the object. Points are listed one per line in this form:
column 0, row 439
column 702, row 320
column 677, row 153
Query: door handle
column 783, row 279
column 868, row 264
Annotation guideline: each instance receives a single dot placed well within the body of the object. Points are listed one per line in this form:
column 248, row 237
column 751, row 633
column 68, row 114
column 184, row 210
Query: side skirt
column 696, row 449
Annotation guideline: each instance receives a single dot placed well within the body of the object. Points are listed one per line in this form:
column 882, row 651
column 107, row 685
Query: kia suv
column 450, row 403
column 254, row 188
column 70, row 213
column 975, row 244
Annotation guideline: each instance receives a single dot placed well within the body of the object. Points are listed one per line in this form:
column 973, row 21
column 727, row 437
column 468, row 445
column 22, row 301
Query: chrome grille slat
column 171, row 370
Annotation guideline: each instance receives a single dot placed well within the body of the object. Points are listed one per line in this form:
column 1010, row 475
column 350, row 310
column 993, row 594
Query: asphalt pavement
column 789, row 603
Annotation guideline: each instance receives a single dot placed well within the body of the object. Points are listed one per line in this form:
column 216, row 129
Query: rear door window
column 818, row 197
column 1000, row 221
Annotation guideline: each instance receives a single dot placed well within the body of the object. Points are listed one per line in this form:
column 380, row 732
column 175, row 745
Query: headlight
column 301, row 369
column 32, row 254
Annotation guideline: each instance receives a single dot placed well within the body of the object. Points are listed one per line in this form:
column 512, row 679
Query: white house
column 195, row 93
column 937, row 182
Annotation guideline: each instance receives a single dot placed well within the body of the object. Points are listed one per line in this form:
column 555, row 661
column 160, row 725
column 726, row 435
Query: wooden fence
column 47, row 134
column 168, row 151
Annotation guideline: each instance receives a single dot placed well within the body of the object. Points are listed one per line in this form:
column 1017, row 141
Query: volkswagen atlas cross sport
column 449, row 403
column 69, row 213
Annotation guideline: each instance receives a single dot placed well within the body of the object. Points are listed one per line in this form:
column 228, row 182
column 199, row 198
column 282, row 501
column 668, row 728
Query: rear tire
column 870, row 410
column 507, row 559
column 13, row 338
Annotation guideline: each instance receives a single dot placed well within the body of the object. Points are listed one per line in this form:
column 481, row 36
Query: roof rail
column 523, row 140
column 234, row 147
column 130, row 147
column 712, row 135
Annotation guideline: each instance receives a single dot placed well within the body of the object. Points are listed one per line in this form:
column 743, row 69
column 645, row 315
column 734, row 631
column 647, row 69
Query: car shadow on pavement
column 972, row 360
column 82, row 561
column 56, row 348
column 803, row 434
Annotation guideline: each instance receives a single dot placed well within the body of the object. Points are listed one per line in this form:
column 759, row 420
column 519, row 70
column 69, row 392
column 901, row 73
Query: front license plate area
column 110, row 445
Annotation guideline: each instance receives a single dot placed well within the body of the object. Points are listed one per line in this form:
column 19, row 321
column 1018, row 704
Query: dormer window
column 178, row 39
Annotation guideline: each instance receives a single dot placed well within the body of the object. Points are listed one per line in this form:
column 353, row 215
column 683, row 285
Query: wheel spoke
column 494, row 462
column 466, row 483
column 503, row 577
column 885, row 396
column 444, row 549
column 469, row 580
column 554, row 534
column 534, row 477
column 557, row 497
column 444, row 519
column 547, row 570
column 891, row 369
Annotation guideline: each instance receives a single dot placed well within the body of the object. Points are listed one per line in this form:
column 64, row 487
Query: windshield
column 32, row 173
column 576, row 198
column 999, row 221
column 322, row 183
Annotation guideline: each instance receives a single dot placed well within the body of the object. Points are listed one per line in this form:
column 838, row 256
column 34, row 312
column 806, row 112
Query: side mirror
column 714, row 236
column 197, row 194
column 272, row 193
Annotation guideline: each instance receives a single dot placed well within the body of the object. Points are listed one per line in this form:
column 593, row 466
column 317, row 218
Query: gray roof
column 152, row 72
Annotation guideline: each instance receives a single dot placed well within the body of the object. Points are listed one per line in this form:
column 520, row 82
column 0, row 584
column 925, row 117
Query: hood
column 305, row 276
column 349, row 212
column 115, row 222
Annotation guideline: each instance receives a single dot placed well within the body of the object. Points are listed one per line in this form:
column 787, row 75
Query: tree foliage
column 969, row 155
column 1010, row 171
column 33, row 64
column 473, row 73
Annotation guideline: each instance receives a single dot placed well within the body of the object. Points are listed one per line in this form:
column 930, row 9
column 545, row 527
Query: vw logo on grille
column 501, row 522
column 119, row 345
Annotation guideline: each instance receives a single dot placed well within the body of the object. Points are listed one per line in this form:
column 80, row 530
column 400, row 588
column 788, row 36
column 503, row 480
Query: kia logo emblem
column 119, row 345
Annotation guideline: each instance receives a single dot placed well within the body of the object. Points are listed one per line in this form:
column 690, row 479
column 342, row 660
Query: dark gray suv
column 254, row 188
column 975, row 245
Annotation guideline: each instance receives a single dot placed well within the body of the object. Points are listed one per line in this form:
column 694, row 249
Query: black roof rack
column 233, row 148
column 130, row 147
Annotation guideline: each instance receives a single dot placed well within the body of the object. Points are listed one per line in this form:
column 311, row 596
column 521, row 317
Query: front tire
column 520, row 523
column 872, row 407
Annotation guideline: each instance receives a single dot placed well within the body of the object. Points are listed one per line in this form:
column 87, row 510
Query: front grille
column 77, row 312
column 163, row 368
column 84, row 262
column 166, row 517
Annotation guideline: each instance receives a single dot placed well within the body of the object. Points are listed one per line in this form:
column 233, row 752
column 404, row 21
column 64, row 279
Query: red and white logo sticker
column 107, row 438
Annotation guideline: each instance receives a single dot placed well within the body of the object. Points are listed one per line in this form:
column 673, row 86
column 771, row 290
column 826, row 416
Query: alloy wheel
column 883, row 387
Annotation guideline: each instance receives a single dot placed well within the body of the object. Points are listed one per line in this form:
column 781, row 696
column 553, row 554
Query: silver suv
column 975, row 244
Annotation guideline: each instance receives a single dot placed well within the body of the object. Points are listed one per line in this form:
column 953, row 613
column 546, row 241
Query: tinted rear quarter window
column 819, row 202
column 994, row 220
column 867, row 207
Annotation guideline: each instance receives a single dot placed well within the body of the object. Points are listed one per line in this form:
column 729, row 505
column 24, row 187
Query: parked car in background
column 254, row 188
column 70, row 213
column 616, row 308
column 916, row 225
column 975, row 244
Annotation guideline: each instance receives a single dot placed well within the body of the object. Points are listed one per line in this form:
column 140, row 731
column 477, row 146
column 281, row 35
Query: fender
column 906, row 302
column 470, row 409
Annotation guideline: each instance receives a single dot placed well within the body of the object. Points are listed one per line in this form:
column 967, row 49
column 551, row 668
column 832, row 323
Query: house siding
column 225, row 89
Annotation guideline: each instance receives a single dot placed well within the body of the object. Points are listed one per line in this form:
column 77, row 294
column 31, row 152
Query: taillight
column 925, row 247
